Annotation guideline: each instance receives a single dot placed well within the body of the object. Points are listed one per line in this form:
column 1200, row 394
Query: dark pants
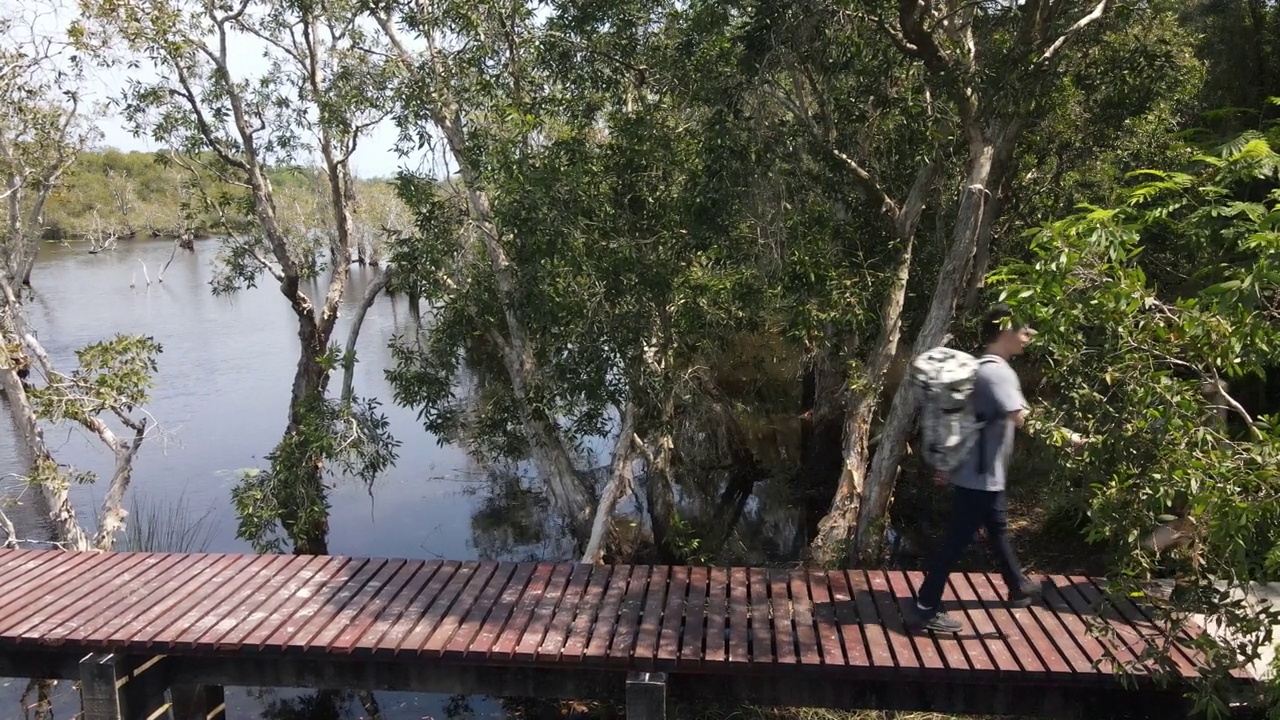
column 972, row 510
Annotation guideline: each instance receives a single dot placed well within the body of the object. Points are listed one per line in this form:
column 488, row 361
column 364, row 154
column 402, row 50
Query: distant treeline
column 115, row 194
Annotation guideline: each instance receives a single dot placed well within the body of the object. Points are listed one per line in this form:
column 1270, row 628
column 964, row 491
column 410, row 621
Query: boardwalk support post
column 647, row 696
column 113, row 687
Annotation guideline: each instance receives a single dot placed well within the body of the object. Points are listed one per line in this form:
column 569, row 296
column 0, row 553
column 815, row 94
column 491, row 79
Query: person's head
column 1004, row 334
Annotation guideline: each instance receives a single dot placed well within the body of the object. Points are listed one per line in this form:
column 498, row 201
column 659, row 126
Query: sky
column 376, row 155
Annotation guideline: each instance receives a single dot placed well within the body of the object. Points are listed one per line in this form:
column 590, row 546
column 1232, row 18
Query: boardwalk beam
column 647, row 696
column 113, row 687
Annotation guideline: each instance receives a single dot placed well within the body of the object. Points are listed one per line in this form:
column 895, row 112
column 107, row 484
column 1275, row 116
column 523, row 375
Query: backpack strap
column 982, row 423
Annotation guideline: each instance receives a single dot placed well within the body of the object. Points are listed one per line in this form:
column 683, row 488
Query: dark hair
column 998, row 318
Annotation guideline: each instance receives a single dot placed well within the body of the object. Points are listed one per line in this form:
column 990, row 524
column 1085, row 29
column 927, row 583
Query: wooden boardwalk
column 564, row 629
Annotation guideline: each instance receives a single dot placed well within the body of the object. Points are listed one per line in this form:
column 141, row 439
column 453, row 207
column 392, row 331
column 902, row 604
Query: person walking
column 978, row 502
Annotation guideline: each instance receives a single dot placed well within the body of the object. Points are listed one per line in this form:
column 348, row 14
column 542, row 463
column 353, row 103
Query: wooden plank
column 113, row 606
column 986, row 633
column 25, row 568
column 353, row 608
column 17, row 562
column 674, row 617
column 522, row 615
column 246, row 605
column 937, row 651
column 441, row 605
column 71, row 601
column 487, row 583
column 268, row 614
column 1124, row 642
column 1041, row 645
column 378, row 608
column 651, row 617
column 969, row 642
column 887, row 606
column 784, row 637
column 540, row 623
column 808, row 651
column 45, row 593
column 716, row 637
column 624, row 633
column 826, row 629
column 279, row 634
column 489, row 632
column 407, row 610
column 224, row 601
column 605, row 628
column 1072, row 611
column 761, row 623
column 469, row 629
column 154, row 604
column 1060, row 633
column 584, row 625
column 1157, row 639
column 694, row 632
column 174, row 599
column 855, row 631
column 552, row 645
column 1007, row 627
column 739, row 617
column 193, row 605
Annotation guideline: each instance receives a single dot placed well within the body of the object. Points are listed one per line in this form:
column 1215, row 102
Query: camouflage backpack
column 948, row 423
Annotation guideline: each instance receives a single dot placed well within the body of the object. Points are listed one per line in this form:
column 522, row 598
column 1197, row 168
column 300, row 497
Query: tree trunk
column 55, row 490
column 660, row 498
column 371, row 293
column 829, row 546
column 619, row 481
column 307, row 529
column 985, row 166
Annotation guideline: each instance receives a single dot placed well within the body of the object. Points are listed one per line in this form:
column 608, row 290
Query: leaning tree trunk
column 835, row 529
column 973, row 218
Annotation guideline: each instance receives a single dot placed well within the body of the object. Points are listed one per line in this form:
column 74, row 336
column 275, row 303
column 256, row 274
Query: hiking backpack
column 948, row 423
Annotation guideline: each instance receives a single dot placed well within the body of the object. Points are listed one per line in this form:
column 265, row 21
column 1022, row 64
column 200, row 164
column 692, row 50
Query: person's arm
column 1039, row 427
column 1006, row 391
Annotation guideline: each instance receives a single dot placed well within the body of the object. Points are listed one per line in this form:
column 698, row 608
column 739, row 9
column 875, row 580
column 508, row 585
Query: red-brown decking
column 634, row 618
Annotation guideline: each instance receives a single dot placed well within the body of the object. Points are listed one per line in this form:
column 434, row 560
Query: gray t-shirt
column 996, row 393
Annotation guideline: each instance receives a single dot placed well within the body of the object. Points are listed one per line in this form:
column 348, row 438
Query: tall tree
column 41, row 134
column 319, row 95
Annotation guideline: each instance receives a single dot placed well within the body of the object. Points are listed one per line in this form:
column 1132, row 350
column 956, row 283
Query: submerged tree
column 318, row 97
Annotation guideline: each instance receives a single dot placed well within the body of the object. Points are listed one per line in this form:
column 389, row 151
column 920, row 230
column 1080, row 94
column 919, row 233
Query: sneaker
column 937, row 621
column 1023, row 595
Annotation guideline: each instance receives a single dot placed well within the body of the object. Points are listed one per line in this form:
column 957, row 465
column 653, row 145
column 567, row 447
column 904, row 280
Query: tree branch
column 357, row 321
column 1084, row 22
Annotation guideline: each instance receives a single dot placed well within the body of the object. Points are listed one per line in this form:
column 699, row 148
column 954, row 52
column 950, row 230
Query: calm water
column 221, row 398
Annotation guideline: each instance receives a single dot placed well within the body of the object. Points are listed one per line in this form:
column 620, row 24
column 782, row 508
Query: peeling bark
column 834, row 530
column 988, row 154
column 620, row 477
